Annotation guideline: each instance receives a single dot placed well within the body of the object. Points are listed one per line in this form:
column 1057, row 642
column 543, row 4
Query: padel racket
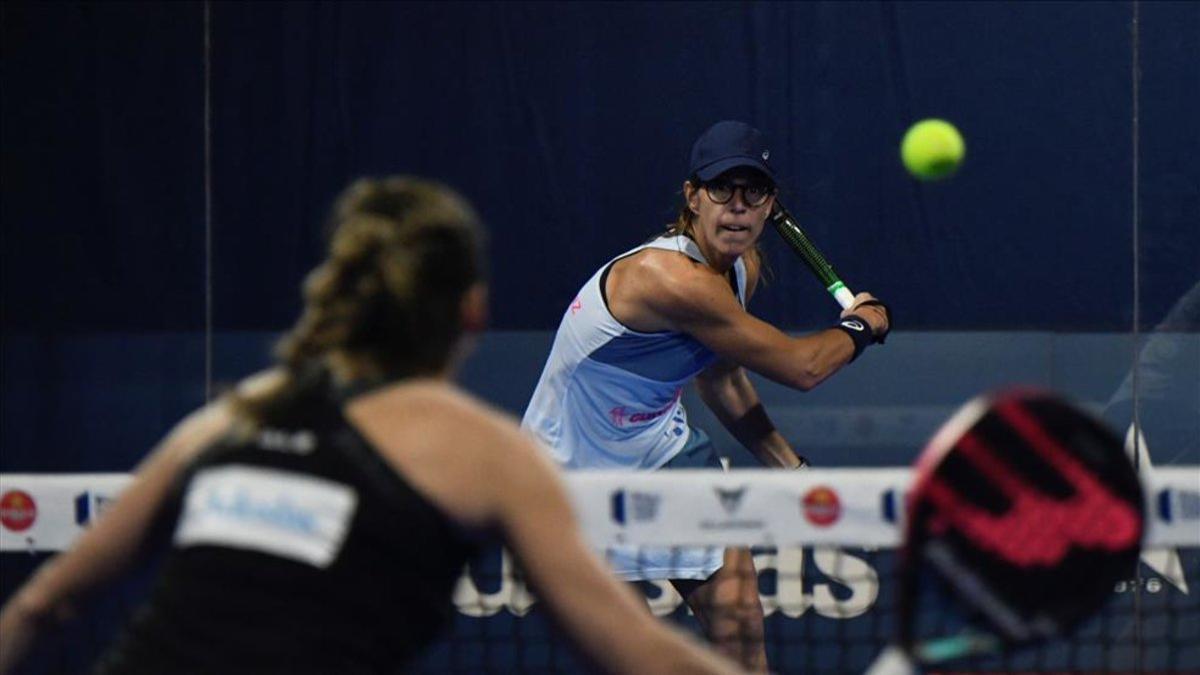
column 1025, row 512
column 798, row 240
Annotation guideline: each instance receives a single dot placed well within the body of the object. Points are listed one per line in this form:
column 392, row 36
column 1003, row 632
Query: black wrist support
column 859, row 330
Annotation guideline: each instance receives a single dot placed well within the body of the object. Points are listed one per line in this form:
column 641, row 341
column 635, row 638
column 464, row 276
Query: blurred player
column 320, row 515
column 671, row 311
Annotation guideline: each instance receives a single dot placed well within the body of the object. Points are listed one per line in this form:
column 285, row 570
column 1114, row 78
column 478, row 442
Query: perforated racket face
column 1029, row 510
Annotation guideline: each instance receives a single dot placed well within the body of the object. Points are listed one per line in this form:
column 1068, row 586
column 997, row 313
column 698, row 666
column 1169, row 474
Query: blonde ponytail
column 403, row 251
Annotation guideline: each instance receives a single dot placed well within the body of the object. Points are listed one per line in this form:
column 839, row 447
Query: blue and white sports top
column 609, row 396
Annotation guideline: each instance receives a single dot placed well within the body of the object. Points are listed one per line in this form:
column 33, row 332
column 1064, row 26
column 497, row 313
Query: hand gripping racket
column 1025, row 512
column 798, row 240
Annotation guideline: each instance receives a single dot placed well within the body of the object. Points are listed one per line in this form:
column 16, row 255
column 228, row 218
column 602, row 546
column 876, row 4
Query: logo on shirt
column 18, row 510
column 292, row 442
column 622, row 416
column 286, row 514
column 576, row 306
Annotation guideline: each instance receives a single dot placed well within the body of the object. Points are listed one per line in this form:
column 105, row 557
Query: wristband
column 859, row 330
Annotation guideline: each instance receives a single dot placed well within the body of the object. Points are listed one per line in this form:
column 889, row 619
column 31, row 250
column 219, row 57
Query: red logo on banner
column 821, row 506
column 17, row 510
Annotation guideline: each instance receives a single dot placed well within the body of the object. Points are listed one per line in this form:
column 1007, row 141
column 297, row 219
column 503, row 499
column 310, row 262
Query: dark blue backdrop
column 569, row 125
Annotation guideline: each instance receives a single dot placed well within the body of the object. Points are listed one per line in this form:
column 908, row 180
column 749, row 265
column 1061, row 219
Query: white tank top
column 609, row 396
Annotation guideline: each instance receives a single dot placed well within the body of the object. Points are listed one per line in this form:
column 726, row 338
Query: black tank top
column 300, row 551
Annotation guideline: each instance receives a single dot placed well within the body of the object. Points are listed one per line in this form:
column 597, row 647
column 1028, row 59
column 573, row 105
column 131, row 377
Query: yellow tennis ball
column 932, row 149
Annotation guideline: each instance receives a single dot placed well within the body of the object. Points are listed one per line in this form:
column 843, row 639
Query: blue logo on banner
column 638, row 506
column 89, row 505
column 617, row 507
column 1178, row 505
column 892, row 505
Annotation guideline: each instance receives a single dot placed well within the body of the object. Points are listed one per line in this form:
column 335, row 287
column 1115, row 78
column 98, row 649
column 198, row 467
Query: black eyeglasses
column 753, row 194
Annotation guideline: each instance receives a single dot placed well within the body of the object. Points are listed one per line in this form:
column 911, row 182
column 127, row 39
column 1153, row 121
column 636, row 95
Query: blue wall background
column 569, row 125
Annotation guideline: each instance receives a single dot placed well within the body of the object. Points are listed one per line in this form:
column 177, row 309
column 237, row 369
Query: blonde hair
column 403, row 251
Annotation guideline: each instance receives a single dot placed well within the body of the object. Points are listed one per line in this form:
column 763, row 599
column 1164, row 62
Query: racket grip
column 843, row 295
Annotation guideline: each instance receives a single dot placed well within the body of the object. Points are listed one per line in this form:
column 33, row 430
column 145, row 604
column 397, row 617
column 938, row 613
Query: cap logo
column 766, row 155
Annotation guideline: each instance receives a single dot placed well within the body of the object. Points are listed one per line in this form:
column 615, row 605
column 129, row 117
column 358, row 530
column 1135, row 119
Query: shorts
column 643, row 563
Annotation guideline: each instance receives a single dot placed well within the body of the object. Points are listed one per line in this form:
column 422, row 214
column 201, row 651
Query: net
column 824, row 545
column 825, row 550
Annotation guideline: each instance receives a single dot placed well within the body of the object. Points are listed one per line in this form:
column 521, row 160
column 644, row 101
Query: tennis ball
column 932, row 149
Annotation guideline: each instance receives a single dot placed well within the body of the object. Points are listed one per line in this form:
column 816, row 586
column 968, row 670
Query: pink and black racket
column 1026, row 512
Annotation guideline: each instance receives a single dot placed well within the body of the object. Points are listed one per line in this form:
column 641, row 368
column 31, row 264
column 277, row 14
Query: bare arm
column 728, row 392
column 478, row 467
column 692, row 299
column 110, row 546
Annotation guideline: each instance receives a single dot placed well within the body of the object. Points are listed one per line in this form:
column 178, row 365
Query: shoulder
column 218, row 416
column 193, row 434
column 657, row 289
column 686, row 293
column 673, row 277
column 261, row 381
column 205, row 425
column 652, row 262
column 441, row 414
column 467, row 457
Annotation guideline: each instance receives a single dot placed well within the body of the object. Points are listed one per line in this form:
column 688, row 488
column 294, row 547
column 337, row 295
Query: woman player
column 670, row 311
column 320, row 515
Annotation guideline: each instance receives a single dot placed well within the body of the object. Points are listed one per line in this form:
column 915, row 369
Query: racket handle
column 798, row 240
column 843, row 295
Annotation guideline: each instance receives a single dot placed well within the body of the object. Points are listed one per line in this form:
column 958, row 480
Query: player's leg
column 729, row 609
column 726, row 603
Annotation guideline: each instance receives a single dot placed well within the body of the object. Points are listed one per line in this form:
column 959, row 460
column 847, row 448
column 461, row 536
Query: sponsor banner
column 852, row 507
column 45, row 512
column 745, row 507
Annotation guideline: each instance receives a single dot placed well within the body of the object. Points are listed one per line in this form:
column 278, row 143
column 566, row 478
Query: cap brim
column 722, row 165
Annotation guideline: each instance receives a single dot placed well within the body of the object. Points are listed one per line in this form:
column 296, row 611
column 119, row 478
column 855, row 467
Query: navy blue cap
column 727, row 145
